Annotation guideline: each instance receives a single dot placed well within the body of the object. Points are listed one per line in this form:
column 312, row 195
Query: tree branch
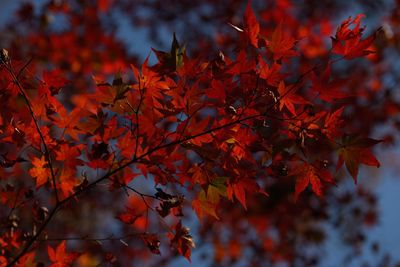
column 149, row 152
column 32, row 114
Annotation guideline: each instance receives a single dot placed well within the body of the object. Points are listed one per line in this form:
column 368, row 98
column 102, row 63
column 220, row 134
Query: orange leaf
column 39, row 171
column 59, row 257
column 202, row 206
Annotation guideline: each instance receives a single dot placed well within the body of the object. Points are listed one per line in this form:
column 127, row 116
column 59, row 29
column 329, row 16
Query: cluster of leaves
column 243, row 125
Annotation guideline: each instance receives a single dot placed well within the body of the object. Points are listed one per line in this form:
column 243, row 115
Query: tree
column 106, row 160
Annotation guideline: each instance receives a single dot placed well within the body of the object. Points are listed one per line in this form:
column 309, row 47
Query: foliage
column 117, row 156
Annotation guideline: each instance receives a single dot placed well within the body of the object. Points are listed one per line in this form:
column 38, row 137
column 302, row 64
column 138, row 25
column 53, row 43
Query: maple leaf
column 133, row 214
column 69, row 155
column 67, row 181
column 217, row 90
column 109, row 94
column 152, row 242
column 54, row 81
column 239, row 189
column 182, row 240
column 88, row 260
column 198, row 175
column 34, row 136
column 127, row 145
column 149, row 79
column 196, row 127
column 347, row 42
column 281, row 44
column 28, row 260
column 3, row 261
column 307, row 174
column 169, row 202
column 40, row 171
column 128, row 218
column 207, row 201
column 288, row 98
column 10, row 240
column 216, row 188
column 69, row 121
column 7, row 83
column 174, row 59
column 251, row 25
column 271, row 74
column 327, row 89
column 59, row 257
column 356, row 150
column 45, row 103
column 123, row 178
column 201, row 205
column 332, row 125
column 242, row 64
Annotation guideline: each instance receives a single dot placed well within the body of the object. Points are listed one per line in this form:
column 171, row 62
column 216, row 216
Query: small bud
column 221, row 56
column 26, row 236
column 273, row 96
column 4, row 56
column 283, row 170
column 43, row 212
column 231, row 110
column 325, row 163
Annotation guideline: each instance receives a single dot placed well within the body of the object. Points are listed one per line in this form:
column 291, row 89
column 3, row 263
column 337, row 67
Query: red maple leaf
column 281, row 44
column 271, row 74
column 306, row 174
column 182, row 240
column 27, row 260
column 332, row 125
column 348, row 43
column 59, row 257
column 326, row 88
column 356, row 150
column 241, row 187
column 288, row 98
column 251, row 25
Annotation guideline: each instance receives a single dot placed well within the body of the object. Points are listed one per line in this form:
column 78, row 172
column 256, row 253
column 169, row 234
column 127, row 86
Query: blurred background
column 356, row 225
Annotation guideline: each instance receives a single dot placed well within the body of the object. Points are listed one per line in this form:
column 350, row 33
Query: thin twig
column 94, row 239
column 24, row 67
column 137, row 119
column 148, row 207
